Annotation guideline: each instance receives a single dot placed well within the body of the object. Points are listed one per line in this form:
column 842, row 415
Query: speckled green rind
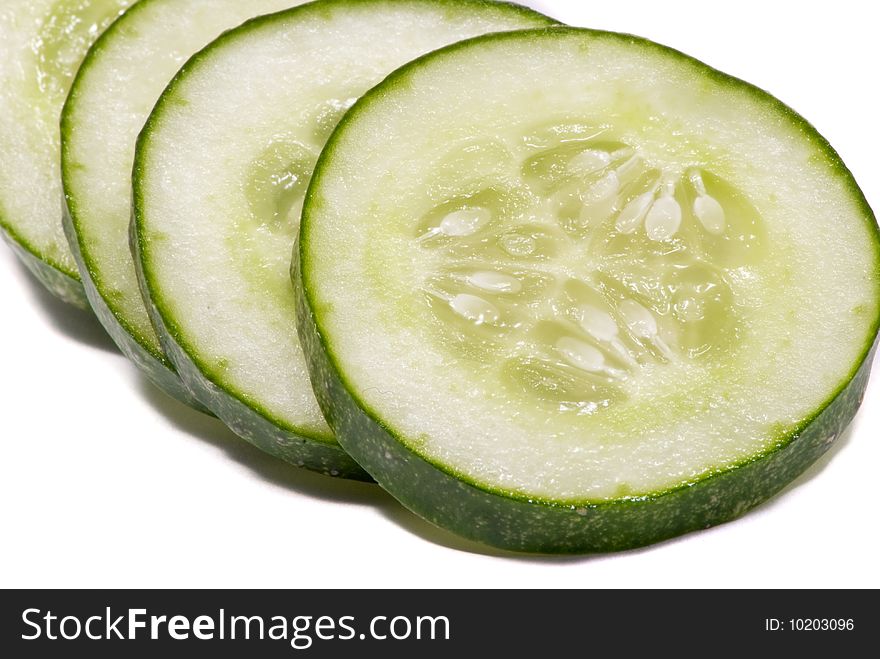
column 539, row 527
column 316, row 453
column 159, row 372
column 59, row 283
column 512, row 522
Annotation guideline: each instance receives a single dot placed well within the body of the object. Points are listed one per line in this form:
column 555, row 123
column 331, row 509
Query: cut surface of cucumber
column 571, row 291
column 41, row 45
column 219, row 178
column 114, row 92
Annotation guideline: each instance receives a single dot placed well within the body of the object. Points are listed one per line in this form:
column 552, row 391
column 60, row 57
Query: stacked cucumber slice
column 118, row 83
column 42, row 43
column 556, row 290
column 622, row 297
column 241, row 128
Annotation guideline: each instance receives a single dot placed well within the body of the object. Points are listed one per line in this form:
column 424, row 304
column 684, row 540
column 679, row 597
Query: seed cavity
column 565, row 387
column 647, row 248
column 276, row 182
column 475, row 309
column 689, row 310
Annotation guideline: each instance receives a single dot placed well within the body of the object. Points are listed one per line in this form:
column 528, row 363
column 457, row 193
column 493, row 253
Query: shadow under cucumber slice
column 116, row 88
column 41, row 45
column 572, row 291
column 220, row 172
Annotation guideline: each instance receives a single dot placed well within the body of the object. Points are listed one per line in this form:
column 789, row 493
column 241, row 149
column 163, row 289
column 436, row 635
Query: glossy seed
column 465, row 222
column 580, row 354
column 495, row 282
column 602, row 190
column 475, row 309
column 589, row 162
column 639, row 320
column 664, row 219
column 599, row 324
column 710, row 214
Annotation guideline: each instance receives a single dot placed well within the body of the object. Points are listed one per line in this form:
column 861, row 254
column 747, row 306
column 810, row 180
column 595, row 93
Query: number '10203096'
column 809, row 624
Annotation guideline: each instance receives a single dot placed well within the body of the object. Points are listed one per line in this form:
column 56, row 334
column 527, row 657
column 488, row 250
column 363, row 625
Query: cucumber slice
column 117, row 86
column 219, row 178
column 573, row 291
column 41, row 45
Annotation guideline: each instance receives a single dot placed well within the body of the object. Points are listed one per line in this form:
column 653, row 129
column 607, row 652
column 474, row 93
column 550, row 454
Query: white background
column 105, row 482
